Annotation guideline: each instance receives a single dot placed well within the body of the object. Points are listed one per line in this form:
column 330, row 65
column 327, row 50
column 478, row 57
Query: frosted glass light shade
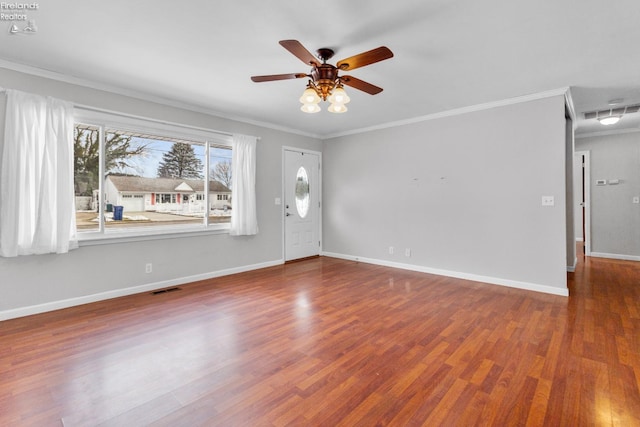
column 337, row 108
column 339, row 96
column 310, row 108
column 309, row 96
column 609, row 120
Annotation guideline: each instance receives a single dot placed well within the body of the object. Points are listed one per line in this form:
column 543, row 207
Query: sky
column 147, row 164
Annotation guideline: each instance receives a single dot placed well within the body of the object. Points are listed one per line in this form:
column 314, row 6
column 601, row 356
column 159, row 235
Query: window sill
column 142, row 234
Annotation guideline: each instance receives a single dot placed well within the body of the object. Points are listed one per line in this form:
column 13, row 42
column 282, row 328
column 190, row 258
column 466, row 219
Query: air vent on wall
column 618, row 111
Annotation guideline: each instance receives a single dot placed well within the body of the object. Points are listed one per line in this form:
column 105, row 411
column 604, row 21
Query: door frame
column 586, row 217
column 283, row 190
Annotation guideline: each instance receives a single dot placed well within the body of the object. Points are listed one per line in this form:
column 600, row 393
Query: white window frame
column 127, row 123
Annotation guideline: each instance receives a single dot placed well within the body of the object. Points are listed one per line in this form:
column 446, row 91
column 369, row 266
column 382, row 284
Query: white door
column 301, row 204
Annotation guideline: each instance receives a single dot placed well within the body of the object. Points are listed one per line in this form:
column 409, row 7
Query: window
column 149, row 176
column 302, row 192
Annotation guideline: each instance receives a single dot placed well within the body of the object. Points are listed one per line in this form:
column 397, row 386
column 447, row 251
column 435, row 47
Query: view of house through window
column 149, row 180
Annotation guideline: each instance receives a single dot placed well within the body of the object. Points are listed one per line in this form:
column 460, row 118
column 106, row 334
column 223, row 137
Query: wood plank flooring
column 328, row 342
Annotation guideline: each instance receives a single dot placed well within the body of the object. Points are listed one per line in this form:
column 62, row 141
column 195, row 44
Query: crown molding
column 78, row 81
column 457, row 111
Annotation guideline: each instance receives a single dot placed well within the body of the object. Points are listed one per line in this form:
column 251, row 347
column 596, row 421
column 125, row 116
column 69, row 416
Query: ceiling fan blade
column 301, row 52
column 273, row 77
column 365, row 58
column 360, row 85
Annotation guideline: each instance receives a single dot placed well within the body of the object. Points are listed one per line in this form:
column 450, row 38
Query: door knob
column 288, row 214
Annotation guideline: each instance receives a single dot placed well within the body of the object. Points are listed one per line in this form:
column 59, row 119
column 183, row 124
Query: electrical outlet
column 407, row 252
column 390, row 250
column 548, row 201
column 148, row 268
column 636, row 200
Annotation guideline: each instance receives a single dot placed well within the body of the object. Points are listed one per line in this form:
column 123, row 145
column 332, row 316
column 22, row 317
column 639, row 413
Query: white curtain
column 37, row 201
column 244, row 220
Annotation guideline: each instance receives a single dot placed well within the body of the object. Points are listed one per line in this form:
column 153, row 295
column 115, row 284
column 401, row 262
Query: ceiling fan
column 324, row 81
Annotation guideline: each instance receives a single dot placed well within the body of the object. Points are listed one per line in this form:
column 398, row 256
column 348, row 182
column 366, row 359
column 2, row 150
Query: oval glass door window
column 302, row 192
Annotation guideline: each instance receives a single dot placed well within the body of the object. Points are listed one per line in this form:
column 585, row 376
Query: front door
column 301, row 204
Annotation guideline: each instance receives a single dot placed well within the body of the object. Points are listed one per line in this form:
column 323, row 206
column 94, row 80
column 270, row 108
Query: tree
column 180, row 162
column 119, row 149
column 222, row 173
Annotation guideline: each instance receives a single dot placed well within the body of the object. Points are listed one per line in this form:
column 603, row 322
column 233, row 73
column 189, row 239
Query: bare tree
column 222, row 173
column 119, row 149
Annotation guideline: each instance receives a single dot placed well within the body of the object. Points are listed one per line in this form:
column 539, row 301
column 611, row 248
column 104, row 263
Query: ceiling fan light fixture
column 325, row 83
column 609, row 120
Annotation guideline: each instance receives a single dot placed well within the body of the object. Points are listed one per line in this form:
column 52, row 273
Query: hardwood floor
column 328, row 342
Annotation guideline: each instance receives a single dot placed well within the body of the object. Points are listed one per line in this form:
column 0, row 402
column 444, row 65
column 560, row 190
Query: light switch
column 278, row 201
column 548, row 201
column 636, row 199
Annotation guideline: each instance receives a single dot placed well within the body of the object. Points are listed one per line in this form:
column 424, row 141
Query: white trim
column 587, row 199
column 579, row 239
column 182, row 281
column 568, row 100
column 572, row 268
column 456, row 274
column 52, row 75
column 615, row 256
column 456, row 112
column 139, row 234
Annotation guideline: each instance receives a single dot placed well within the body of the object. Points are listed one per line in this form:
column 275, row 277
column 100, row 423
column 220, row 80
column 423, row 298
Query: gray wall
column 615, row 220
column 35, row 280
column 462, row 192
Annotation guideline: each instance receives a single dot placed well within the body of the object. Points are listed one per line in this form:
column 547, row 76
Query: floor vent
column 164, row 291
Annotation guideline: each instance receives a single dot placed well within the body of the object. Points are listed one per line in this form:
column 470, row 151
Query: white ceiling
column 449, row 54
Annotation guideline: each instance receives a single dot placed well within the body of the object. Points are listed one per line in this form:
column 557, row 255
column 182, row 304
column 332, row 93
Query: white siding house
column 138, row 194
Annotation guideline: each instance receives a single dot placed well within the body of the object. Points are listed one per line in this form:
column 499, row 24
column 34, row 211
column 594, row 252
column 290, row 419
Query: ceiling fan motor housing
column 324, row 76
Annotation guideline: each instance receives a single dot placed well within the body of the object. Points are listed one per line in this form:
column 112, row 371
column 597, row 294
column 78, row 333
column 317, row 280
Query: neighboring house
column 138, row 194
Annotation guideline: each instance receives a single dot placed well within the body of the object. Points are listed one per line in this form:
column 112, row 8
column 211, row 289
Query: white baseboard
column 456, row 274
column 615, row 256
column 71, row 302
column 579, row 239
column 572, row 268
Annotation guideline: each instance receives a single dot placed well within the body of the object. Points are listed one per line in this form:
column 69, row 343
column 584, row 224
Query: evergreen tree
column 180, row 162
